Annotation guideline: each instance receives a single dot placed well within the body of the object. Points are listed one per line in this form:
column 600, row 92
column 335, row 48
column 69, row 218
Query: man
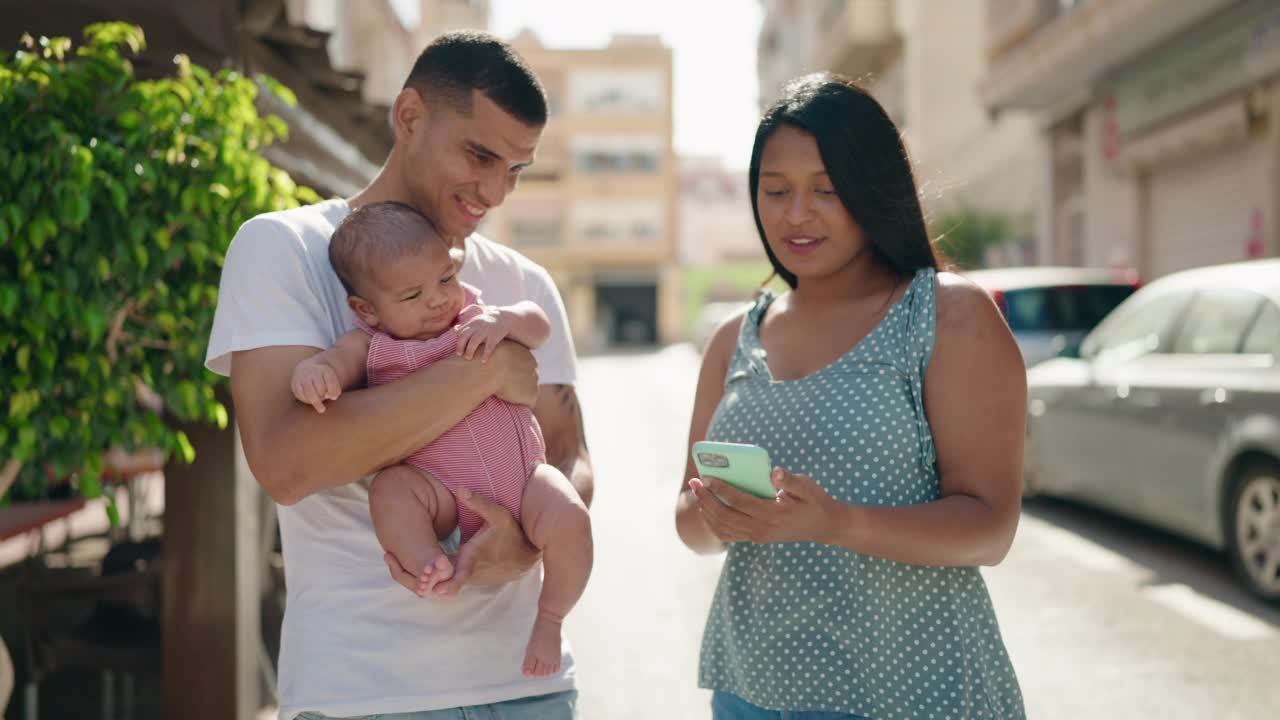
column 466, row 123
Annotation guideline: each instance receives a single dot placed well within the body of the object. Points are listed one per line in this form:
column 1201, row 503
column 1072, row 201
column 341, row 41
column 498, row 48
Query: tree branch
column 8, row 474
column 117, row 328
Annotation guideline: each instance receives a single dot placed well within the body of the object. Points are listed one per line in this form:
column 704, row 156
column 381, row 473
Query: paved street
column 1103, row 618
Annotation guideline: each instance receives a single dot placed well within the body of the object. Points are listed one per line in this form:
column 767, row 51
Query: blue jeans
column 556, row 706
column 727, row 706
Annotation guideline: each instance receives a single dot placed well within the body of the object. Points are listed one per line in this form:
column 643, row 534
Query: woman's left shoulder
column 963, row 306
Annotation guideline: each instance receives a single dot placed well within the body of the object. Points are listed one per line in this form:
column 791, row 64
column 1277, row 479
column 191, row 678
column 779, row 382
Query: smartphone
column 745, row 467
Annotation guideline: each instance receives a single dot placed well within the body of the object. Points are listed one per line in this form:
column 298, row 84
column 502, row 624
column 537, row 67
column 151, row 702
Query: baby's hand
column 485, row 330
column 313, row 383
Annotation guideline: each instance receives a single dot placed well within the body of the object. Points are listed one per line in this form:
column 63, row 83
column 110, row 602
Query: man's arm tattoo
column 569, row 398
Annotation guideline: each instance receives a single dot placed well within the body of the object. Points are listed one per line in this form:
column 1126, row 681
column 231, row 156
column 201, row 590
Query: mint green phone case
column 745, row 467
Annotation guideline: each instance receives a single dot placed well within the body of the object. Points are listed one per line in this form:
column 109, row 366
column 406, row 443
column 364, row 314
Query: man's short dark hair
column 374, row 234
column 459, row 62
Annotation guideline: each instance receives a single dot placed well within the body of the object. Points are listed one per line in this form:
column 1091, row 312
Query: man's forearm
column 581, row 475
column 303, row 452
column 572, row 459
column 561, row 418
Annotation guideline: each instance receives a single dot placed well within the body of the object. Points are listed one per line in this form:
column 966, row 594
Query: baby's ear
column 363, row 310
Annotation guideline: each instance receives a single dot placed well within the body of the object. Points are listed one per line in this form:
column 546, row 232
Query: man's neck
column 383, row 188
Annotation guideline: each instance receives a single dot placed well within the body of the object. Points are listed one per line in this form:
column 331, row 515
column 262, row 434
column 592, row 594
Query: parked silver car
column 1050, row 309
column 1172, row 414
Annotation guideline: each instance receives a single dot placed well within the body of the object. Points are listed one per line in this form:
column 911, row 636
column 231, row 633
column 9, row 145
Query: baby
column 411, row 310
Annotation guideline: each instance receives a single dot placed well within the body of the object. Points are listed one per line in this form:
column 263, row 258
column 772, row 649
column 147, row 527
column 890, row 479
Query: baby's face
column 417, row 297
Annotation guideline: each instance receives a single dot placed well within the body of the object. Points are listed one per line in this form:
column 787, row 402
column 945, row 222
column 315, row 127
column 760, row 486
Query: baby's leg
column 556, row 521
column 411, row 512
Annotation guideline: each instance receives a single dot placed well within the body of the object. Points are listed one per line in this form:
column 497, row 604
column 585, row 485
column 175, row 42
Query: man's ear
column 363, row 310
column 406, row 112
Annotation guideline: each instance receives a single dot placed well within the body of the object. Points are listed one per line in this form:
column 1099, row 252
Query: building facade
column 716, row 223
column 598, row 207
column 923, row 62
column 1160, row 125
column 381, row 39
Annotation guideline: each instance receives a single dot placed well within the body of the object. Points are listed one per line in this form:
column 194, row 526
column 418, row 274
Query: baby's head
column 399, row 273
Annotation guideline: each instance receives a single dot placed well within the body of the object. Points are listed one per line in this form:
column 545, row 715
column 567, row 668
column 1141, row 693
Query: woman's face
column 807, row 227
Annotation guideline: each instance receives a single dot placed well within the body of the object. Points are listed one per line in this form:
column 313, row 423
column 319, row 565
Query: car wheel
column 1253, row 528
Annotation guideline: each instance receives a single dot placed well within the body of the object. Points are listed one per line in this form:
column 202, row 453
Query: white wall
column 1112, row 212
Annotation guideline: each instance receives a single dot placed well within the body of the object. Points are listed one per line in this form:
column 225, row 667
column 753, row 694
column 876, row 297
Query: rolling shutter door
column 1200, row 210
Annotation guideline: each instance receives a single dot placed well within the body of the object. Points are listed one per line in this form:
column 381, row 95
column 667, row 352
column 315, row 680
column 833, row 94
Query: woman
column 891, row 400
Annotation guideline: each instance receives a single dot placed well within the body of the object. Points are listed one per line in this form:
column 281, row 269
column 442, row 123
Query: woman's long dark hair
column 866, row 161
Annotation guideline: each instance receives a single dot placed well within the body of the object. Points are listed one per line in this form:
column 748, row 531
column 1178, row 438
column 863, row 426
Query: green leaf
column 113, row 512
column 278, row 89
column 8, row 300
column 90, row 486
column 166, row 322
column 184, row 448
column 18, row 168
column 96, row 323
column 21, row 404
column 189, row 397
column 118, row 198
column 26, row 441
column 59, row 427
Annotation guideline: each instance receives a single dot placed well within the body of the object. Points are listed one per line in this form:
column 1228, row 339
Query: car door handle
column 1214, row 396
column 1144, row 399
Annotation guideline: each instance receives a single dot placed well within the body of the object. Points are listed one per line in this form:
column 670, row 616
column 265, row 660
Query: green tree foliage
column 963, row 234
column 118, row 199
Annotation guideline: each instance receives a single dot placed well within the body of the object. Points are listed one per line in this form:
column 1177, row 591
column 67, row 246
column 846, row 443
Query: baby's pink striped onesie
column 491, row 452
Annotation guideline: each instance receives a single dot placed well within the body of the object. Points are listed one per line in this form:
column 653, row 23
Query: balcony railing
column 861, row 40
column 1011, row 21
column 1055, row 67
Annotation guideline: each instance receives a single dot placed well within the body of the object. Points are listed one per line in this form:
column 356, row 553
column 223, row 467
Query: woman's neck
column 864, row 277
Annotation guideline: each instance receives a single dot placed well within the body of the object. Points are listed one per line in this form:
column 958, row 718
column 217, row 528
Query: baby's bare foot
column 437, row 571
column 542, row 655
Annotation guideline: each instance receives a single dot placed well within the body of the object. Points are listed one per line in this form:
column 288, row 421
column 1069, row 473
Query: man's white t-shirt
column 354, row 642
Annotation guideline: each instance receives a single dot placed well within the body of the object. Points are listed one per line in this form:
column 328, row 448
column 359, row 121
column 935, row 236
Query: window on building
column 616, row 90
column 554, row 85
column 535, row 224
column 527, row 233
column 616, row 154
column 629, row 221
column 549, row 163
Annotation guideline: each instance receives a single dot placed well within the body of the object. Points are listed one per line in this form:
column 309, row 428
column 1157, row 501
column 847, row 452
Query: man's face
column 459, row 166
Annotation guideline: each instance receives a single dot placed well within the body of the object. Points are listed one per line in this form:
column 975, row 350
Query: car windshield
column 1062, row 308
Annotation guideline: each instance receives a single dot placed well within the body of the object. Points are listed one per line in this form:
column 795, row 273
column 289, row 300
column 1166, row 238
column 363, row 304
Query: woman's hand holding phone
column 801, row 510
column 745, row 467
